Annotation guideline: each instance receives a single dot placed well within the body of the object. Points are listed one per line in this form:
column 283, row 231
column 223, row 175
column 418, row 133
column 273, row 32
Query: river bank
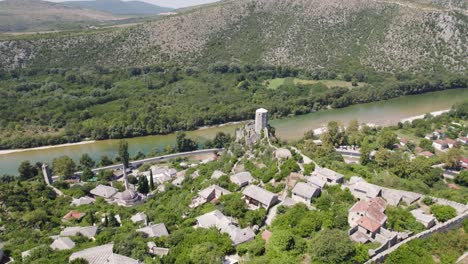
column 10, row 151
column 436, row 113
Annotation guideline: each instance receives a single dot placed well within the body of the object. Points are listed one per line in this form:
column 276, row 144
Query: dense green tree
column 183, row 143
column 105, row 161
column 284, row 241
column 64, row 167
column 386, row 139
column 401, row 220
column 79, row 261
column 26, row 171
column 87, row 174
column 451, row 158
column 443, row 212
column 233, row 205
column 221, row 140
column 143, row 186
column 86, row 161
column 462, row 178
column 208, row 253
column 426, row 144
column 331, row 246
column 334, row 134
column 123, row 153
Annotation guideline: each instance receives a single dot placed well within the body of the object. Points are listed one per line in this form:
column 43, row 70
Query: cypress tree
column 151, row 181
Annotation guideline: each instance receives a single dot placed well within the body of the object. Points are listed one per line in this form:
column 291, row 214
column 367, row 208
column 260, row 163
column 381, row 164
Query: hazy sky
column 168, row 3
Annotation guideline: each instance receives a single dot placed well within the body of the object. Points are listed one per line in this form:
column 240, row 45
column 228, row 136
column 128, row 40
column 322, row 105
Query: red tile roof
column 369, row 224
column 426, row 153
column 266, row 235
column 74, row 214
column 453, row 186
column 373, row 213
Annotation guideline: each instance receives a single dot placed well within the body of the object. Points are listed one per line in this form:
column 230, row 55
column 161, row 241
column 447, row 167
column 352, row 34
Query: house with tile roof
column 102, row 254
column 76, row 215
column 207, row 195
column 226, row 225
column 104, row 191
column 316, row 181
column 427, row 220
column 367, row 217
column 329, row 176
column 155, row 230
column 83, row 201
column 139, row 218
column 157, row 251
column 362, row 189
column 304, row 192
column 62, row 243
column 242, row 178
column 86, row 231
column 257, row 197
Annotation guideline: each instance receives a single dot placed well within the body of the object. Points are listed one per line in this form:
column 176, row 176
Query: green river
column 290, row 128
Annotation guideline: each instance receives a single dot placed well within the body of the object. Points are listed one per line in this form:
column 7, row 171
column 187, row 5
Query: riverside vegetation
column 57, row 105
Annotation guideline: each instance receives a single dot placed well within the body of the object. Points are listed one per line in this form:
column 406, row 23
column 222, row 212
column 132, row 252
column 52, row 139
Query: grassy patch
column 328, row 83
column 273, row 84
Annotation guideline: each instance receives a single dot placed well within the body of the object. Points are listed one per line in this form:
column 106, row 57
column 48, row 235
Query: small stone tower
column 46, row 173
column 261, row 120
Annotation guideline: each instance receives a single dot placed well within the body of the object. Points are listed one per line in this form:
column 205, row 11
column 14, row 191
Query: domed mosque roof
column 129, row 195
column 129, row 198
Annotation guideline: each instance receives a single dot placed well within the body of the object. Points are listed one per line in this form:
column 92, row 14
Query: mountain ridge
column 117, row 7
column 22, row 15
column 382, row 36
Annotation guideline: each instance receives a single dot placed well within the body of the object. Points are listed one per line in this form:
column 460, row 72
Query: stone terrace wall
column 461, row 208
column 450, row 224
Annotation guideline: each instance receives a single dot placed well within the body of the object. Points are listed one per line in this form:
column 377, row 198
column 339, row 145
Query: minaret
column 125, row 178
column 261, row 120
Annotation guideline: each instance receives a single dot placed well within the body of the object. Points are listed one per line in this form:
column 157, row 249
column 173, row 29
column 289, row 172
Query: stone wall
column 443, row 227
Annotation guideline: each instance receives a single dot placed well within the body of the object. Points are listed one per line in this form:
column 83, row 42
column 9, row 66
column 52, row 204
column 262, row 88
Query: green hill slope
column 379, row 35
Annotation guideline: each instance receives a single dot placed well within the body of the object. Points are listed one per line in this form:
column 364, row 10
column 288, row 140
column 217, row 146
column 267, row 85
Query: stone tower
column 261, row 120
column 46, row 173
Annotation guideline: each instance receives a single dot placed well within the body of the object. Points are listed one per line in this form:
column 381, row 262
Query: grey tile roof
column 62, row 243
column 329, row 174
column 217, row 174
column 87, row 231
column 422, row 217
column 139, row 217
column 102, row 255
column 158, row 251
column 156, row 230
column 226, row 225
column 104, row 191
column 316, row 181
column 82, row 201
column 265, row 197
column 305, row 190
column 242, row 178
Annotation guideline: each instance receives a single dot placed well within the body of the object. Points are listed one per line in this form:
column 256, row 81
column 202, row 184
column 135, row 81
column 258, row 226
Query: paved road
column 349, row 152
column 136, row 163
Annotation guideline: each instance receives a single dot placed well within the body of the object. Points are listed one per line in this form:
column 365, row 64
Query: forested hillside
column 57, row 106
column 417, row 35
